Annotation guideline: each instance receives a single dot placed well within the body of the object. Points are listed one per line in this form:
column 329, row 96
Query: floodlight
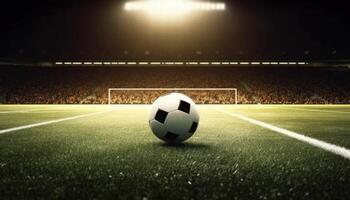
column 168, row 8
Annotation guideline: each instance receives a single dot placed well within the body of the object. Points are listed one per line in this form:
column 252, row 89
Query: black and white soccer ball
column 174, row 118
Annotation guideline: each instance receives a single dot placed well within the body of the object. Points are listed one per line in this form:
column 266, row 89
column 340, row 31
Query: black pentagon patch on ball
column 170, row 136
column 193, row 127
column 161, row 116
column 184, row 106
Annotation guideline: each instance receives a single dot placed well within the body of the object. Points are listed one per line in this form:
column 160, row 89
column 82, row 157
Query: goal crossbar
column 172, row 89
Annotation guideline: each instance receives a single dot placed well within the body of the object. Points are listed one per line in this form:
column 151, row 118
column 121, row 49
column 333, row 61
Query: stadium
column 87, row 89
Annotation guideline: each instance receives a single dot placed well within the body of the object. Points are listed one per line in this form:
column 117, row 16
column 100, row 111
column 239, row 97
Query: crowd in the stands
column 255, row 85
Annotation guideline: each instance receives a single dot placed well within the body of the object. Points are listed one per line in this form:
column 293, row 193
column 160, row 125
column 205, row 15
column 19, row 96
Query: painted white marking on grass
column 341, row 151
column 317, row 110
column 50, row 122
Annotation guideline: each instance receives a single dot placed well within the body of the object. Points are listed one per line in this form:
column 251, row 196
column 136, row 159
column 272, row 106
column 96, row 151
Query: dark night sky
column 101, row 30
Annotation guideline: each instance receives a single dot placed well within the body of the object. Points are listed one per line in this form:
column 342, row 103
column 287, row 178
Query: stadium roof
column 246, row 30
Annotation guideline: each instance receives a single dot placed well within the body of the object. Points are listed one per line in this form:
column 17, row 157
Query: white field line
column 317, row 110
column 22, row 111
column 50, row 122
column 341, row 151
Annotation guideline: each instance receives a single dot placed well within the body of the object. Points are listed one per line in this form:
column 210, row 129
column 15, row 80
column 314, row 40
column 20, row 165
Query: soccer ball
column 174, row 118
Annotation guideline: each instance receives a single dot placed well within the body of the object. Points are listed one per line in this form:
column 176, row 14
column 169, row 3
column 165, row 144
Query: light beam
column 168, row 8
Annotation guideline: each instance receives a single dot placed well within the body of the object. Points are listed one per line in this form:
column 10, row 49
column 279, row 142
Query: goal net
column 149, row 95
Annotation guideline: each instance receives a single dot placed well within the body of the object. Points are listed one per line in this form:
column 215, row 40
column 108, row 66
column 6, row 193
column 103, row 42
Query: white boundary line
column 50, row 122
column 341, row 151
column 317, row 110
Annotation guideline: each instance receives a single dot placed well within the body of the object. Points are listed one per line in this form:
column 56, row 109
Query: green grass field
column 113, row 154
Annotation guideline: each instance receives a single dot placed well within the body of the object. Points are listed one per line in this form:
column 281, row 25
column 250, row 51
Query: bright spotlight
column 172, row 7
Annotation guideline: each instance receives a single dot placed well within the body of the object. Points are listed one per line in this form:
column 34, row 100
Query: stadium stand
column 38, row 85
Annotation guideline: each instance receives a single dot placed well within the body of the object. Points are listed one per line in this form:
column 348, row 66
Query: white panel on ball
column 168, row 103
column 178, row 122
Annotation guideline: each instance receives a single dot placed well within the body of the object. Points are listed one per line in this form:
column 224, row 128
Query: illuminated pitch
column 173, row 7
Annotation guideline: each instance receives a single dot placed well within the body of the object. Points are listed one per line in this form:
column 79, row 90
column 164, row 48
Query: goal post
column 234, row 91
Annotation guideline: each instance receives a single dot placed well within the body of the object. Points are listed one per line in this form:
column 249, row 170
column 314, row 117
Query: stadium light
column 155, row 63
column 165, row 63
column 171, row 8
column 204, row 63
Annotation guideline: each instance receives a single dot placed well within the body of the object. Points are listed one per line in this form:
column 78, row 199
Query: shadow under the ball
column 186, row 145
